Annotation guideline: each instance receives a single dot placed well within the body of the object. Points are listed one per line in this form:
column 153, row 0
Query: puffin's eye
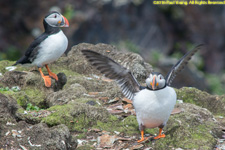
column 55, row 16
column 160, row 77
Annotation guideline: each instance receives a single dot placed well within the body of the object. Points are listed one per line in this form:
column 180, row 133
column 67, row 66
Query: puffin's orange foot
column 142, row 139
column 47, row 81
column 53, row 75
column 160, row 136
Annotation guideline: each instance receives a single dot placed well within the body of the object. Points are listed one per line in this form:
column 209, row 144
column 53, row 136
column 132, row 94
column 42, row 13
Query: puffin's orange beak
column 154, row 83
column 66, row 24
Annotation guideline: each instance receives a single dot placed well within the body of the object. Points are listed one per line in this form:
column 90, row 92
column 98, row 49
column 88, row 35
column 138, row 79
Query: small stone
column 92, row 103
column 179, row 149
column 106, row 141
column 7, row 133
column 176, row 111
column 136, row 146
column 104, row 99
column 10, row 124
column 81, row 142
column 23, row 147
column 106, row 79
column 14, row 133
column 93, row 93
column 117, row 132
column 94, row 130
column 10, row 68
column 95, row 76
column 180, row 101
column 113, row 100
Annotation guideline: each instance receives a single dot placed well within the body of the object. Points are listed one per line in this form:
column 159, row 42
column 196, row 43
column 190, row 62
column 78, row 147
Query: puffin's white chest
column 153, row 108
column 51, row 49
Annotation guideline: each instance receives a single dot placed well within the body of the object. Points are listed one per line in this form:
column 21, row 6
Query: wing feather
column 124, row 78
column 181, row 64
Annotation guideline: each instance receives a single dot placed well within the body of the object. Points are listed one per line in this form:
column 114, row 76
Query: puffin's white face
column 155, row 81
column 55, row 19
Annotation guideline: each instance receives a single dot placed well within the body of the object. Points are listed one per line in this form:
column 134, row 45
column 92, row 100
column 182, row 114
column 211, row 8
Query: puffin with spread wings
column 154, row 103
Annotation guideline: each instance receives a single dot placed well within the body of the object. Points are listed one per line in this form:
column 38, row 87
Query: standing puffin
column 48, row 47
column 154, row 103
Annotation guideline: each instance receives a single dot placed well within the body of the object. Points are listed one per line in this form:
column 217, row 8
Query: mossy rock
column 8, row 108
column 76, row 116
column 194, row 128
column 73, row 92
column 28, row 117
column 4, row 64
column 28, row 95
column 77, row 62
column 214, row 103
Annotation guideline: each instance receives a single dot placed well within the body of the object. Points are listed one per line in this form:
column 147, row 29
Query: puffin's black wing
column 32, row 50
column 113, row 70
column 181, row 64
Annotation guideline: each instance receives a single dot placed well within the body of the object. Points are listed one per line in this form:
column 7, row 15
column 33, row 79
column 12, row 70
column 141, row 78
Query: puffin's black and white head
column 55, row 19
column 155, row 81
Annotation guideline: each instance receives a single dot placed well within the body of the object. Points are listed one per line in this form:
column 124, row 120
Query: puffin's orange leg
column 47, row 79
column 51, row 73
column 142, row 137
column 160, row 134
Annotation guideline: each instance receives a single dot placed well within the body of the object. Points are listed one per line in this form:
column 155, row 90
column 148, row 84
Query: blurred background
column 160, row 34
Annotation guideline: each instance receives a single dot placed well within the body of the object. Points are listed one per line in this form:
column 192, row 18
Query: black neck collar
column 141, row 88
column 49, row 29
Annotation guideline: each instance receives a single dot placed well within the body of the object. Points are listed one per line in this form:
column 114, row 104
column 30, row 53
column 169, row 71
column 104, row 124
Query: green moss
column 202, row 99
column 20, row 110
column 183, row 131
column 186, row 95
column 57, row 69
column 80, row 121
column 82, row 135
column 76, row 116
column 28, row 95
column 128, row 126
column 86, row 147
column 22, row 99
column 36, row 96
column 4, row 64
column 85, row 100
column 7, row 92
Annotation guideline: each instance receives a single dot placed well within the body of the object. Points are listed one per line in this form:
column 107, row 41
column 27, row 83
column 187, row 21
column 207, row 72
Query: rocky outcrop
column 77, row 62
column 214, row 103
column 89, row 109
column 21, row 135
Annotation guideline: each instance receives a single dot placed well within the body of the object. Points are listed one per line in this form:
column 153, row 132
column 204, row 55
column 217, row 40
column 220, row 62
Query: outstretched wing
column 181, row 64
column 113, row 70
